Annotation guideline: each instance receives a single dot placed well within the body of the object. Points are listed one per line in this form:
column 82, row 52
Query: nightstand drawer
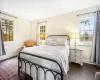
column 77, row 60
column 72, row 51
column 78, row 54
column 75, row 54
column 73, row 59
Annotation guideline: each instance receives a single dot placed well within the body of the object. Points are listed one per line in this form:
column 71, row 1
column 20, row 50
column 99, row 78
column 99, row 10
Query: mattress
column 58, row 53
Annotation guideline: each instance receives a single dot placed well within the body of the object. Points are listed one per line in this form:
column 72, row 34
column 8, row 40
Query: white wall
column 22, row 33
column 64, row 24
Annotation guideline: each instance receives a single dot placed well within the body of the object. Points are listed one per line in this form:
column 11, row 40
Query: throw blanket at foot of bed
column 45, row 62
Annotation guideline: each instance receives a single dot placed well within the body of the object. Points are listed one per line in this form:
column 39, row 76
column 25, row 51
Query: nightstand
column 76, row 56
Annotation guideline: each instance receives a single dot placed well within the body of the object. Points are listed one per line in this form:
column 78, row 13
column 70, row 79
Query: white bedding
column 58, row 53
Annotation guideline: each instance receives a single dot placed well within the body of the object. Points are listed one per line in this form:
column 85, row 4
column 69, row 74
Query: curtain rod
column 86, row 13
column 7, row 14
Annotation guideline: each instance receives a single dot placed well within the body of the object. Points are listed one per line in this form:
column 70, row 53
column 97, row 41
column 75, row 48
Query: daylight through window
column 87, row 29
column 7, row 29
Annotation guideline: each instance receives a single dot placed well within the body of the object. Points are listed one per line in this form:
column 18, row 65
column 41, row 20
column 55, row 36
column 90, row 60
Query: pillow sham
column 51, row 42
column 30, row 43
column 56, row 42
column 62, row 42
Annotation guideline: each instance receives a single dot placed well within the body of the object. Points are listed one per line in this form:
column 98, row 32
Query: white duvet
column 58, row 53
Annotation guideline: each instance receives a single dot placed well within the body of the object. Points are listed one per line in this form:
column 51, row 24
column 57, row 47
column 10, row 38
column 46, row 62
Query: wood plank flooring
column 86, row 72
column 76, row 72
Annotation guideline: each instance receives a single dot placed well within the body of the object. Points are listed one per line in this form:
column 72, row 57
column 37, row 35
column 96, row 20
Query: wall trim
column 8, row 58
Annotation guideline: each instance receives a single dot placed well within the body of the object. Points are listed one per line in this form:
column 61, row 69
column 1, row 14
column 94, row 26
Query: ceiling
column 37, row 9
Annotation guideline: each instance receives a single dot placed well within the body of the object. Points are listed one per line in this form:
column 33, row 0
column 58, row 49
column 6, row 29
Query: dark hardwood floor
column 86, row 72
column 76, row 72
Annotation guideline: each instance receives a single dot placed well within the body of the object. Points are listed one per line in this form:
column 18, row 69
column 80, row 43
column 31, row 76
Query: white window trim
column 14, row 26
column 85, row 43
column 38, row 29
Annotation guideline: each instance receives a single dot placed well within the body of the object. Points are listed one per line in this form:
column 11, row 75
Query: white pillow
column 56, row 42
column 51, row 42
column 62, row 42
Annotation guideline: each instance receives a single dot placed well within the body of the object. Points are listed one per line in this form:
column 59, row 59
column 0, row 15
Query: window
column 87, row 29
column 41, row 32
column 7, row 29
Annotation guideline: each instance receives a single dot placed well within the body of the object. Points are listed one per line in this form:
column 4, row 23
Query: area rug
column 1, row 78
column 8, row 69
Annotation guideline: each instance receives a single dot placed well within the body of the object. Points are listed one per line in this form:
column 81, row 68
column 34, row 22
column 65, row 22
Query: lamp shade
column 75, row 36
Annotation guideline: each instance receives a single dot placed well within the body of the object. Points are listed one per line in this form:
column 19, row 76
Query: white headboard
column 60, row 37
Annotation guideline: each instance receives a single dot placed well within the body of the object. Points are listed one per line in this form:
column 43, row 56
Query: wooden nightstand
column 76, row 56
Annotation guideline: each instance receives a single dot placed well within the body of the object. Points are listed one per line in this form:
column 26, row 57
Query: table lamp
column 75, row 36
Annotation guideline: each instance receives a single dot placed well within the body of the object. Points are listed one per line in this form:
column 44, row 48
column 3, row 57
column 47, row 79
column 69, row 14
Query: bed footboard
column 45, row 69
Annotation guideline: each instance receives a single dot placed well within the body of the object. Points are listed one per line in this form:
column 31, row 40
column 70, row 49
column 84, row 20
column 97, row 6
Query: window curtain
column 2, row 49
column 96, row 43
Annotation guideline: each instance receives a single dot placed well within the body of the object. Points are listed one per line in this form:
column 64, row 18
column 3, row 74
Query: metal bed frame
column 37, row 66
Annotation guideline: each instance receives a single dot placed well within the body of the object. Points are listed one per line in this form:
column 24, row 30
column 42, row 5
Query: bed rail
column 45, row 69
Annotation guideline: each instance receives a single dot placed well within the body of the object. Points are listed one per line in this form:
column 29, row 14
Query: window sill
column 9, row 42
column 85, row 44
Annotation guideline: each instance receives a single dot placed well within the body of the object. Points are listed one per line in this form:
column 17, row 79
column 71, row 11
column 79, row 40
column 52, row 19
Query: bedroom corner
column 14, row 43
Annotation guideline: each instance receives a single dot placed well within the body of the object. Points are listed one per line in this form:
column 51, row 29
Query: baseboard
column 8, row 58
column 88, row 62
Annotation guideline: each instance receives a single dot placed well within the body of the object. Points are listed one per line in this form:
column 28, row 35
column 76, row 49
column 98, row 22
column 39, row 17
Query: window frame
column 86, row 43
column 11, row 19
column 38, row 32
column 43, row 40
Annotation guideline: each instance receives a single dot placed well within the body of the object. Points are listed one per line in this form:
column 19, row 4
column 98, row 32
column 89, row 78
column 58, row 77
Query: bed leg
column 18, row 66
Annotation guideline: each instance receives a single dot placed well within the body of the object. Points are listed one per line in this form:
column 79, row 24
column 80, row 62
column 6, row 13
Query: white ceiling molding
column 37, row 9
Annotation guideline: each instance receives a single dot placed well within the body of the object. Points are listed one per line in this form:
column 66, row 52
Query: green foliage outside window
column 87, row 29
column 7, row 29
column 42, row 32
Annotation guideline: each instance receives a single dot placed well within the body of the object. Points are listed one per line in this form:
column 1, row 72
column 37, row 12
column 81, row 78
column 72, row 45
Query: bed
column 45, row 62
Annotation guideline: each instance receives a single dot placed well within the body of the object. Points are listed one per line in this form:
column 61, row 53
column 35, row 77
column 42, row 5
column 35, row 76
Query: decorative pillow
column 51, row 42
column 56, row 42
column 29, row 43
column 62, row 42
